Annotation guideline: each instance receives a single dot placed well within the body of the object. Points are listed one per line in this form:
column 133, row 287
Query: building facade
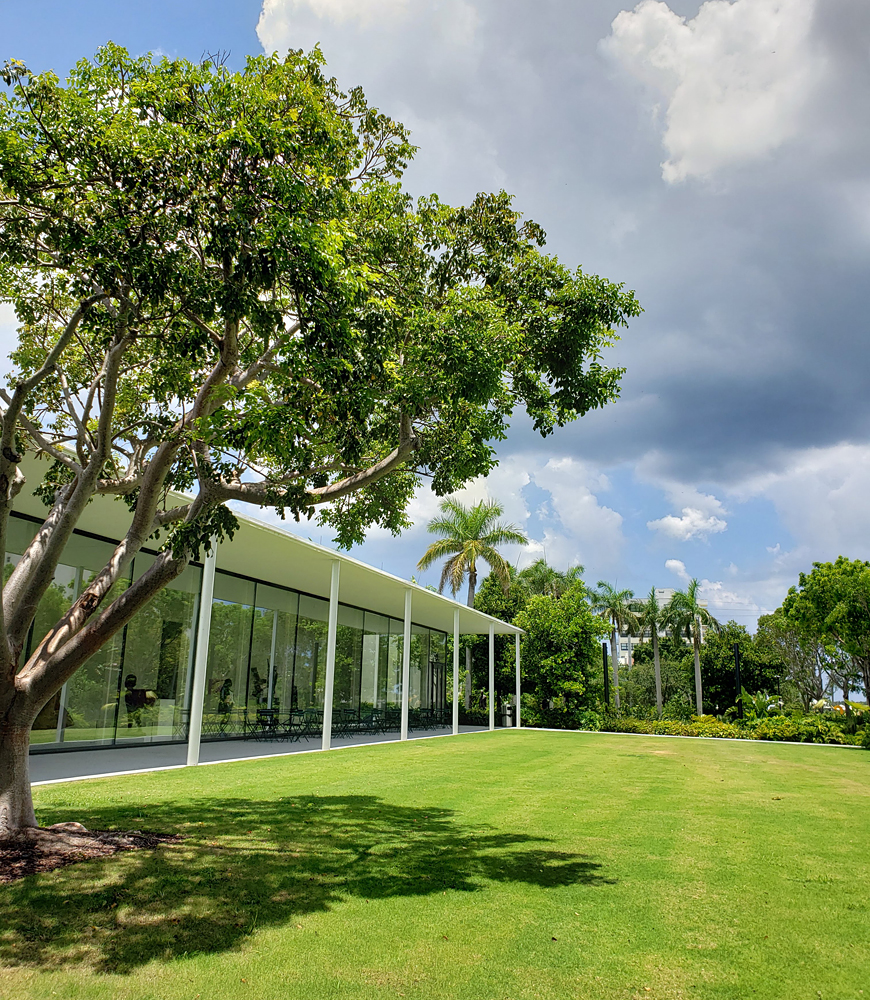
column 267, row 649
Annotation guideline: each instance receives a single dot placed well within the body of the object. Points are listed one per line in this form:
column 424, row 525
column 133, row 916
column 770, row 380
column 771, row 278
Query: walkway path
column 71, row 765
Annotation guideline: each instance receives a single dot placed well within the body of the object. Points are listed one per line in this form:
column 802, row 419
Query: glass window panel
column 229, row 650
column 417, row 696
column 271, row 681
column 158, row 658
column 437, row 669
column 348, row 658
column 394, row 664
column 90, row 699
column 310, row 653
column 375, row 658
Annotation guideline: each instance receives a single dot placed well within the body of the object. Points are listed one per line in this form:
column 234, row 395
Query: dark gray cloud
column 754, row 337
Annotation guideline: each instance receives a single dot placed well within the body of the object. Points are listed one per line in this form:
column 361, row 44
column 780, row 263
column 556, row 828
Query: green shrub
column 808, row 729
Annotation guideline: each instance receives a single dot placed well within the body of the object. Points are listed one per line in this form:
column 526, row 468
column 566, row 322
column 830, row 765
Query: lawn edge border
column 711, row 739
column 440, row 736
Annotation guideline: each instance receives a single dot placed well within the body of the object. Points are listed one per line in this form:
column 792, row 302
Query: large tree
column 806, row 658
column 469, row 534
column 559, row 653
column 832, row 604
column 223, row 289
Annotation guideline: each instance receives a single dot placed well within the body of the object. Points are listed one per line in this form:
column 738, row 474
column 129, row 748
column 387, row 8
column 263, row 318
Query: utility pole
column 736, row 648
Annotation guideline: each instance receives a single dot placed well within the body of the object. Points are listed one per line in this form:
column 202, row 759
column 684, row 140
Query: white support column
column 406, row 665
column 456, row 671
column 491, row 677
column 200, row 662
column 518, row 681
column 331, row 630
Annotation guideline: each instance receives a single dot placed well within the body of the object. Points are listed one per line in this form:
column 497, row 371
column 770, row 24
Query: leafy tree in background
column 616, row 606
column 687, row 615
column 223, row 289
column 493, row 599
column 804, row 655
column 761, row 668
column 832, row 604
column 560, row 653
column 467, row 535
column 541, row 578
column 650, row 618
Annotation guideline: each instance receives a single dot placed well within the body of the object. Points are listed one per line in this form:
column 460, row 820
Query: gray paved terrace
column 72, row 765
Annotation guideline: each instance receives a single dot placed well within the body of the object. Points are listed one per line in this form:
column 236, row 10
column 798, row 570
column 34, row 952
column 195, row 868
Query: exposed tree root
column 38, row 849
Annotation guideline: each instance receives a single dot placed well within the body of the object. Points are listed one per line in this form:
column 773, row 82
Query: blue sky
column 714, row 158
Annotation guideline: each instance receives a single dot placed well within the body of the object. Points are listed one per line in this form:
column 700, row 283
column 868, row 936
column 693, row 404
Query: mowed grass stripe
column 507, row 865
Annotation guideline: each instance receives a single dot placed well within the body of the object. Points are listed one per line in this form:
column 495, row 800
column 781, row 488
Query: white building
column 627, row 643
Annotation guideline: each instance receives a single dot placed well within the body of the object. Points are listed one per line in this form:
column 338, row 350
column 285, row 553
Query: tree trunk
column 658, row 666
column 865, row 676
column 613, row 652
column 696, row 643
column 16, row 801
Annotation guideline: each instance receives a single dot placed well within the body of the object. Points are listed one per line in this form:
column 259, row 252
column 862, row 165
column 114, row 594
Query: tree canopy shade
column 223, row 289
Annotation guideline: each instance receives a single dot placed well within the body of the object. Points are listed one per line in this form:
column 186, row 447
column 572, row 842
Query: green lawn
column 495, row 866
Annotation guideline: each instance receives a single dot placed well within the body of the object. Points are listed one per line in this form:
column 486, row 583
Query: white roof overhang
column 273, row 555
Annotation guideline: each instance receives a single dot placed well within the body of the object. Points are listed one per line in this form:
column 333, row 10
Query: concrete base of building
column 49, row 768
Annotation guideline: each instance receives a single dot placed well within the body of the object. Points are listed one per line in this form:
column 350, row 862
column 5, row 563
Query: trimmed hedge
column 778, row 727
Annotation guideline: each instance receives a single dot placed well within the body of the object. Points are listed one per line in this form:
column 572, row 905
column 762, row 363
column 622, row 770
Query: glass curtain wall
column 227, row 685
column 309, row 667
column 136, row 686
column 158, row 660
column 271, row 679
column 267, row 651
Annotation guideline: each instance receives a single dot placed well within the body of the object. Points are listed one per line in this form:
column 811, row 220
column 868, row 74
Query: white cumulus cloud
column 735, row 79
column 693, row 523
column 276, row 12
column 678, row 568
column 451, row 21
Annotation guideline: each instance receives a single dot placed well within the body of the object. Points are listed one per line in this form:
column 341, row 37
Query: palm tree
column 541, row 578
column 651, row 616
column 615, row 605
column 687, row 616
column 469, row 534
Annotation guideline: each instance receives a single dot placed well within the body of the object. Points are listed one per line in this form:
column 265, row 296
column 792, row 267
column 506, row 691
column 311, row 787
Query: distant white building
column 627, row 642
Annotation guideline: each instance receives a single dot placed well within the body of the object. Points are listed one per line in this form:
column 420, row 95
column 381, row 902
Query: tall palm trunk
column 658, row 665
column 472, row 584
column 615, row 666
column 696, row 643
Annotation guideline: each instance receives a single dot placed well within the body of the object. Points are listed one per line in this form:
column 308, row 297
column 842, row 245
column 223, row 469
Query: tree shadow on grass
column 246, row 864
